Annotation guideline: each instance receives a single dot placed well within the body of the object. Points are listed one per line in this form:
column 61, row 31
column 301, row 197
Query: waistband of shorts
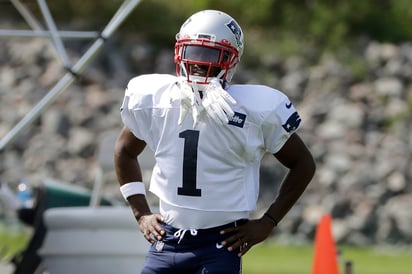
column 211, row 229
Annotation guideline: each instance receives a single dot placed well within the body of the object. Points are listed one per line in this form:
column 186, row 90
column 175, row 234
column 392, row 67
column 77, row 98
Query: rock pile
column 357, row 122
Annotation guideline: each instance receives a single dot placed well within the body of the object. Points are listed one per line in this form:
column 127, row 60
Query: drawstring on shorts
column 181, row 233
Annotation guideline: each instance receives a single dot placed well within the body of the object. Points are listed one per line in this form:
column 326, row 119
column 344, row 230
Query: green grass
column 13, row 238
column 272, row 258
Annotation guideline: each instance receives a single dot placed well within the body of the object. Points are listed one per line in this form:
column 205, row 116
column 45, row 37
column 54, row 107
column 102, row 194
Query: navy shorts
column 192, row 252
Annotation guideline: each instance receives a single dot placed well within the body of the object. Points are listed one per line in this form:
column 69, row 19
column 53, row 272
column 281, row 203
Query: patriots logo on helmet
column 292, row 123
column 235, row 29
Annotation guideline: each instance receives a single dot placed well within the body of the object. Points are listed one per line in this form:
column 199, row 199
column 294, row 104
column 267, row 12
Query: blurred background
column 346, row 65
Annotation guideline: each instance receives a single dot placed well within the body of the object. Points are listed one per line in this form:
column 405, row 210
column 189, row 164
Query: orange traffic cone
column 325, row 260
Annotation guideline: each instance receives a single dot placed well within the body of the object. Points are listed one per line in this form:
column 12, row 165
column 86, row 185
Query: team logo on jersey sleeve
column 238, row 120
column 292, row 122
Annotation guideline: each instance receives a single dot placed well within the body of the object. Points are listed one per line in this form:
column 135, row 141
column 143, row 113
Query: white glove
column 216, row 102
column 189, row 101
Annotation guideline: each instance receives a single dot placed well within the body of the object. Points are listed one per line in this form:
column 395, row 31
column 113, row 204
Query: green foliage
column 286, row 27
column 323, row 24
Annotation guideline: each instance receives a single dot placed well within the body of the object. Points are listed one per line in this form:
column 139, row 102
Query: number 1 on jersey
column 188, row 188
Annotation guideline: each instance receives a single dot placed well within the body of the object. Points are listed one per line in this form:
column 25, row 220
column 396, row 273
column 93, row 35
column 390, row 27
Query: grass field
column 273, row 258
column 13, row 238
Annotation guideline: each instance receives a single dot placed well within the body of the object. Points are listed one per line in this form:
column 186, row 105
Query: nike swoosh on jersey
column 288, row 105
column 219, row 246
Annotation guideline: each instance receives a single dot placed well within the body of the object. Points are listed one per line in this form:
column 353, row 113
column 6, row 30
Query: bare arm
column 297, row 158
column 127, row 149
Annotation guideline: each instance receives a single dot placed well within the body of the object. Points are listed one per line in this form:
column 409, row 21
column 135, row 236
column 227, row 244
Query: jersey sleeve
column 280, row 124
column 136, row 111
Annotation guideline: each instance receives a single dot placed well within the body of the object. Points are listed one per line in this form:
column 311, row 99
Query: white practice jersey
column 210, row 167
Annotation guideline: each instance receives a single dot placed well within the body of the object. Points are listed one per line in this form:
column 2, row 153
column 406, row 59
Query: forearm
column 291, row 188
column 128, row 170
column 138, row 202
column 284, row 201
column 139, row 205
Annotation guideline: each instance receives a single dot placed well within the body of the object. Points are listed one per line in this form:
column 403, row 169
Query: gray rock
column 358, row 130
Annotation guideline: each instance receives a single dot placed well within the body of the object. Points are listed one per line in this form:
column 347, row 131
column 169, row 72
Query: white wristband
column 132, row 188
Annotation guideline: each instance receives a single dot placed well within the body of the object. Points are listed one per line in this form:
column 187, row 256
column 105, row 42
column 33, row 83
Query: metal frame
column 55, row 41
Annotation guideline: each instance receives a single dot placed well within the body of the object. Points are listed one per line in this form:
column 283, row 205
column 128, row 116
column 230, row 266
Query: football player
column 208, row 139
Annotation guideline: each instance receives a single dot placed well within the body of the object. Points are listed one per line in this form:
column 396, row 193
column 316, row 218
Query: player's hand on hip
column 245, row 236
column 151, row 228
